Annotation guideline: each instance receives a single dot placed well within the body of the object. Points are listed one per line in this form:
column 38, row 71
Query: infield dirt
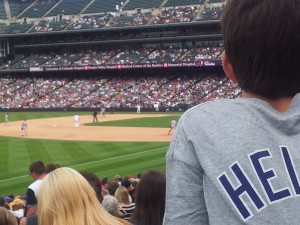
column 62, row 128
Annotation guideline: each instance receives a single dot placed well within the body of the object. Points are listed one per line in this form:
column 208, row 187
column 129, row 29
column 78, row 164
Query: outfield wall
column 180, row 108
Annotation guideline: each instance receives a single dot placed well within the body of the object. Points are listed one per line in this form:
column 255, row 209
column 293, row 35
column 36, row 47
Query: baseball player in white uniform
column 76, row 120
column 138, row 109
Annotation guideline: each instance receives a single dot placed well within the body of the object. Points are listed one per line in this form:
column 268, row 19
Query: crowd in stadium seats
column 117, row 92
column 134, row 20
column 93, row 57
column 45, row 26
column 125, row 199
column 144, row 55
column 174, row 12
column 175, row 15
column 202, row 53
column 211, row 13
column 90, row 22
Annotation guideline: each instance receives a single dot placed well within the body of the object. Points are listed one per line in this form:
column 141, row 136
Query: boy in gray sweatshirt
column 237, row 161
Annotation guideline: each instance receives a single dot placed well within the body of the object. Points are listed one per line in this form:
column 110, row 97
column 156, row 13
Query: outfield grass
column 16, row 116
column 162, row 122
column 102, row 158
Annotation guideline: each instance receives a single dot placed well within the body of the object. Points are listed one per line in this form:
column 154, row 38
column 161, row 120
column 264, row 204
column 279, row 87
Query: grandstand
column 93, row 54
column 83, row 55
column 119, row 13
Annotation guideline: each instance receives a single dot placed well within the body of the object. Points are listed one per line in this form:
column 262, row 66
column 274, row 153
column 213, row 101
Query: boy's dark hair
column 38, row 167
column 261, row 40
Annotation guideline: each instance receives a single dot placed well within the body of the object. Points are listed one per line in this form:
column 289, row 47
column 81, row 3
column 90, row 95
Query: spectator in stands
column 112, row 186
column 60, row 204
column 94, row 182
column 128, row 185
column 111, row 204
column 2, row 202
column 169, row 91
column 96, row 185
column 125, row 206
column 17, row 207
column 150, row 199
column 37, row 170
column 6, row 217
column 51, row 166
column 33, row 220
column 118, row 178
column 234, row 168
column 104, row 182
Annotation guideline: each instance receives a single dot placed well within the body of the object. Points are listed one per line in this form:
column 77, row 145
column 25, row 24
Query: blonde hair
column 122, row 195
column 6, row 217
column 66, row 198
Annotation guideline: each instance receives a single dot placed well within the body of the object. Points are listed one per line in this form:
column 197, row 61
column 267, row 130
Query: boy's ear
column 227, row 67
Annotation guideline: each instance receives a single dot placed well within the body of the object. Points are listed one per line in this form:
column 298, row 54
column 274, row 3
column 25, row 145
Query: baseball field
column 119, row 144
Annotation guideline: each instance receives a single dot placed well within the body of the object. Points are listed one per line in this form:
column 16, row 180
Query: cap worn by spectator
column 7, row 199
column 11, row 196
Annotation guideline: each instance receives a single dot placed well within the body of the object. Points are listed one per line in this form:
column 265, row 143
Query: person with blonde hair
column 67, row 198
column 6, row 217
column 125, row 206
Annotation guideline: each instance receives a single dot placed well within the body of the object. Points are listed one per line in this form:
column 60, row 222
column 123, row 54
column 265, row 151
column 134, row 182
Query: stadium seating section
column 183, row 2
column 17, row 6
column 121, row 91
column 2, row 10
column 142, row 4
column 101, row 6
column 118, row 91
column 91, row 57
column 44, row 26
column 14, row 28
column 134, row 20
column 175, row 15
column 68, row 7
column 95, row 14
column 38, row 9
column 211, row 13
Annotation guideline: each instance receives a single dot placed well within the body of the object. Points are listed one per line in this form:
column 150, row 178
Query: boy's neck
column 281, row 104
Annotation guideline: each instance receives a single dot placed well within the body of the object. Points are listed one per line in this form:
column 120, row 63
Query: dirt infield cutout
column 62, row 128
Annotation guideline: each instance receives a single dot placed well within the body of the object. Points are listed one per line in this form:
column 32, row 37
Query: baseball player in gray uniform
column 24, row 128
column 6, row 120
column 173, row 124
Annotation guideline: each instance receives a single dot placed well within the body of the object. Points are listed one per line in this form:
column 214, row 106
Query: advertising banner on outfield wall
column 127, row 66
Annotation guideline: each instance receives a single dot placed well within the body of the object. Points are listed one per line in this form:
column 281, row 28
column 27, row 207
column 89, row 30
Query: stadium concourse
column 62, row 128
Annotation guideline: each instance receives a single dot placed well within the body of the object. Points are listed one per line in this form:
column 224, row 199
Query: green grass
column 161, row 122
column 102, row 158
column 16, row 116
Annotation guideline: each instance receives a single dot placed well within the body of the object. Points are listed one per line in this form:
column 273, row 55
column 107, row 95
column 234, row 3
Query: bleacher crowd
column 129, row 200
column 117, row 91
column 92, row 57
column 98, row 14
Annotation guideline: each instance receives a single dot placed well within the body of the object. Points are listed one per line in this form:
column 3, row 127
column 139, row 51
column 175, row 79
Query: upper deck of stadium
column 29, row 16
